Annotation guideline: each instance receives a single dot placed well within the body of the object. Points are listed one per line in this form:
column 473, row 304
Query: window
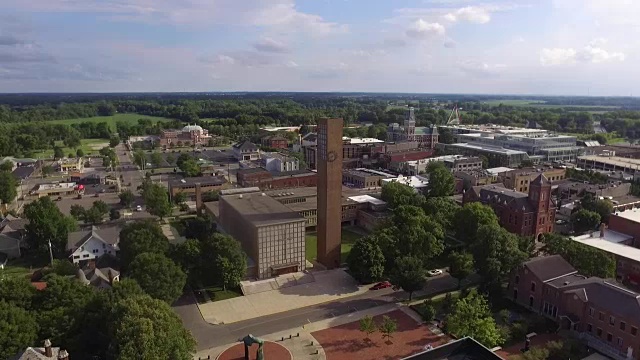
column 619, row 341
column 531, row 301
column 623, row 325
column 76, row 256
column 634, row 330
column 589, row 328
column 517, row 279
column 609, row 337
column 601, row 316
column 515, row 294
column 612, row 320
column 533, row 286
column 599, row 332
column 591, row 311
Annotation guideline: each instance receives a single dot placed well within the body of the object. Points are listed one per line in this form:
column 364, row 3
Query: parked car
column 138, row 208
column 434, row 272
column 561, row 222
column 381, row 285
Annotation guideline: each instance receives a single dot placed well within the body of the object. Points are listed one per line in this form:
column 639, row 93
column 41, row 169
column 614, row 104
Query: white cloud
column 423, row 29
column 268, row 44
column 569, row 56
column 224, row 59
column 291, row 64
column 450, row 43
column 472, row 14
column 480, row 69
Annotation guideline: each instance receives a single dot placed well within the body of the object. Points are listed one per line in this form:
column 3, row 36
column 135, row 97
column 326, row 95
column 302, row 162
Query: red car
column 381, row 285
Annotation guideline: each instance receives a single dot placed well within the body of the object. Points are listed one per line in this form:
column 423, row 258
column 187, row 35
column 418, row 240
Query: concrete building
column 55, row 189
column 276, row 162
column 546, row 147
column 601, row 313
column 498, row 156
column 364, row 178
column 452, row 162
column 330, row 155
column 190, row 135
column 492, row 129
column 418, row 183
column 475, row 178
column 266, row 180
column 70, row 165
column 519, row 179
column 609, row 163
column 245, row 150
column 425, row 136
column 356, row 152
column 271, row 234
column 275, row 141
column 531, row 213
column 196, row 186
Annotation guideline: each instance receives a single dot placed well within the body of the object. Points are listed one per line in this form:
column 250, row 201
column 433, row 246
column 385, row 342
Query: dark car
column 381, row 285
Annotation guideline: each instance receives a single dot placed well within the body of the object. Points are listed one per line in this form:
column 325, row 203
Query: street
column 209, row 336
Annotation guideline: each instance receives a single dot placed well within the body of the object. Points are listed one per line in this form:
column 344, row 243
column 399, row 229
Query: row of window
column 612, row 321
column 619, row 342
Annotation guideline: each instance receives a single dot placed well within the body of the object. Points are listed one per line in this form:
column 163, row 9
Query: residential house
column 47, row 352
column 601, row 312
column 87, row 245
column 11, row 236
column 246, row 150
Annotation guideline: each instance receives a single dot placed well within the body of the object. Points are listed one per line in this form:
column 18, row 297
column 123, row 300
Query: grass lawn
column 217, row 294
column 110, row 120
column 88, row 146
column 348, row 239
column 22, row 267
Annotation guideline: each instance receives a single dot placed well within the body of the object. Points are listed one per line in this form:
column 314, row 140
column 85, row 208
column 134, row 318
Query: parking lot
column 217, row 157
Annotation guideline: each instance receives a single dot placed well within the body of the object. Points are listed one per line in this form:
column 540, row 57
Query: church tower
column 410, row 124
column 540, row 199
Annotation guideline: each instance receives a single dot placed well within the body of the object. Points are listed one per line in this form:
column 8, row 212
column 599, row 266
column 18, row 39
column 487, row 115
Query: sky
column 542, row 47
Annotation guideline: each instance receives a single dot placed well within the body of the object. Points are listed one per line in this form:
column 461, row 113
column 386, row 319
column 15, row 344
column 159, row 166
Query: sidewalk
column 330, row 285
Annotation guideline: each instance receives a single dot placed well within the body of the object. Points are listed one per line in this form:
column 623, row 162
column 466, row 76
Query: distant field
column 89, row 146
column 542, row 104
column 514, row 102
column 111, row 120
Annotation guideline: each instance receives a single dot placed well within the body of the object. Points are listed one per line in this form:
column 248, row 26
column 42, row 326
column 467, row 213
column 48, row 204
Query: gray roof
column 246, row 145
column 202, row 180
column 605, row 294
column 23, row 172
column 109, row 235
column 100, row 277
column 497, row 193
column 37, row 354
column 546, row 268
column 261, row 210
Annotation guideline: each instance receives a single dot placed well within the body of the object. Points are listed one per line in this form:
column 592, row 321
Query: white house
column 276, row 162
column 246, row 150
column 91, row 244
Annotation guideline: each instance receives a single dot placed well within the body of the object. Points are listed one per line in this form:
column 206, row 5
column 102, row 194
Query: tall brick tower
column 540, row 198
column 329, row 165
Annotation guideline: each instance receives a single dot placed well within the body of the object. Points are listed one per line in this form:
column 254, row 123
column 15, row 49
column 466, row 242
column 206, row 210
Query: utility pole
column 50, row 253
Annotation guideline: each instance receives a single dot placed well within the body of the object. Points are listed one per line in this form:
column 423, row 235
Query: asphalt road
column 209, row 336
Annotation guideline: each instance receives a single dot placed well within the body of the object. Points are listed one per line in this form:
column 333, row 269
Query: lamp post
column 50, row 253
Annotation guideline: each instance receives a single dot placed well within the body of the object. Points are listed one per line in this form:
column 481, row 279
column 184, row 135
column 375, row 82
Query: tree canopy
column 397, row 194
column 141, row 237
column 409, row 274
column 366, row 261
column 47, row 224
column 584, row 220
column 471, row 316
column 17, row 291
column 441, row 181
column 158, row 276
column 18, row 329
column 586, row 259
column 8, row 187
column 156, row 198
column 470, row 218
column 460, row 265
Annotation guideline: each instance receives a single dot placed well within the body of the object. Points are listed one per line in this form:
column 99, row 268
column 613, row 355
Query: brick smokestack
column 48, row 352
column 198, row 198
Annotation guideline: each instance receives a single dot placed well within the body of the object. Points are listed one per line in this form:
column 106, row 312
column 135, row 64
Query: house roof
column 13, row 227
column 498, row 194
column 540, row 180
column 109, row 235
column 100, row 277
column 547, row 268
column 37, row 354
column 246, row 145
column 605, row 294
column 23, row 172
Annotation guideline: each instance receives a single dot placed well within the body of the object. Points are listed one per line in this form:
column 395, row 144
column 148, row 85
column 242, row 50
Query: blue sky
column 555, row 47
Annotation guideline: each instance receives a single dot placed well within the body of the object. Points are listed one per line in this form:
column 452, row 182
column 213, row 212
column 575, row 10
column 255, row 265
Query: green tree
column 6, row 166
column 212, row 195
column 586, row 259
column 126, row 198
column 190, row 168
column 18, row 329
column 156, row 159
column 156, row 198
column 77, row 212
column 47, row 224
column 396, row 194
column 17, row 291
column 144, row 328
column 388, row 327
column 470, row 218
column 441, row 181
column 93, row 216
column 471, row 317
column 57, row 152
column 214, row 269
column 408, row 274
column 79, row 153
column 61, row 267
column 139, row 158
column 366, row 261
column 584, row 220
column 460, row 265
column 114, row 214
column 180, row 198
column 187, row 255
column 106, row 162
column 114, row 141
column 158, row 276
column 368, row 326
column 8, row 187
column 141, row 237
column 46, row 170
column 428, row 311
column 443, row 210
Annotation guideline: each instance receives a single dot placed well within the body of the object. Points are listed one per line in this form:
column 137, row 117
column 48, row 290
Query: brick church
column 519, row 213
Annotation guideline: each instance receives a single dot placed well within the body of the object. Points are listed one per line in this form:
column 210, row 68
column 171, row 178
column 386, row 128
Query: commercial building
column 245, row 150
column 330, row 155
column 609, row 163
column 417, row 182
column 425, row 136
column 264, row 179
column 271, row 234
column 602, row 313
column 519, row 179
column 627, row 222
column 356, row 152
column 452, row 162
column 364, row 178
column 196, row 186
column 399, row 160
column 275, row 141
column 491, row 129
column 476, row 178
column 531, row 213
column 497, row 156
column 70, row 165
column 190, row 135
column 55, row 189
column 276, row 162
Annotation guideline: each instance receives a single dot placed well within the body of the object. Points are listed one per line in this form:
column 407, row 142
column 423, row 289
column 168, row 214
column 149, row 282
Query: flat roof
column 362, row 140
column 367, row 199
column 202, row 180
column 610, row 243
column 498, row 170
column 261, row 210
column 633, row 214
column 413, row 181
column 613, row 160
column 491, row 149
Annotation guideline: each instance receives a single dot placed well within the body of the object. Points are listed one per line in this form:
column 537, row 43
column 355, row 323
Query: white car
column 434, row 272
column 138, row 208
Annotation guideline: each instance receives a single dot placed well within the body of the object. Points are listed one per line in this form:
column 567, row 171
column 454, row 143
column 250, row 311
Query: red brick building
column 275, row 141
column 190, row 135
column 600, row 312
column 260, row 177
column 519, row 213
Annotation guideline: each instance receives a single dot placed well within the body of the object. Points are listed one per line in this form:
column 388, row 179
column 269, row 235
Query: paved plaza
column 329, row 285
